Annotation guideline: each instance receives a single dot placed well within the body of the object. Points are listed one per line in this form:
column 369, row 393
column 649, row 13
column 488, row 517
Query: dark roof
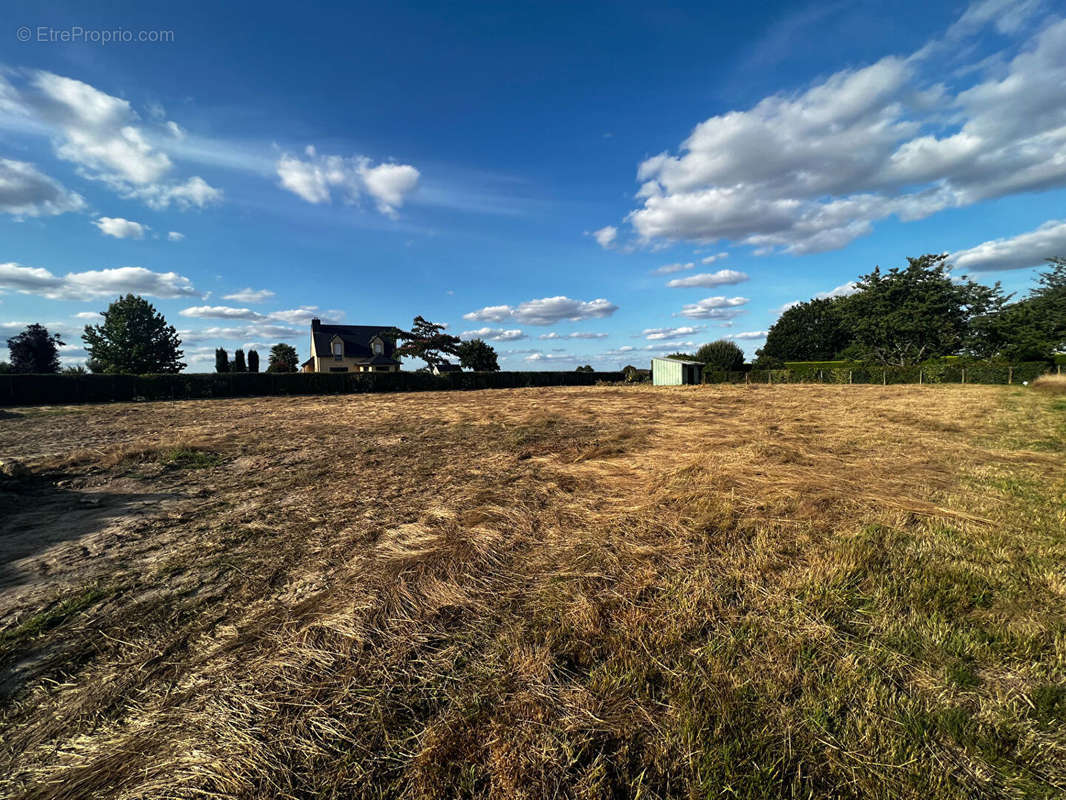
column 356, row 340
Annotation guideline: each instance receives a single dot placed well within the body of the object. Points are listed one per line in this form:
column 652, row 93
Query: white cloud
column 94, row 283
column 843, row 290
column 174, row 236
column 87, row 315
column 259, row 332
column 812, row 171
column 606, row 236
column 494, row 334
column 295, row 316
column 193, row 193
column 748, row 335
column 103, row 136
column 25, row 192
column 1028, row 249
column 840, row 291
column 670, row 333
column 560, row 357
column 316, row 177
column 573, row 335
column 390, row 184
column 1007, row 15
column 99, row 131
column 546, row 311
column 249, row 295
column 722, row 277
column 669, row 269
column 715, row 257
column 714, row 308
column 304, row 314
column 221, row 312
column 120, row 228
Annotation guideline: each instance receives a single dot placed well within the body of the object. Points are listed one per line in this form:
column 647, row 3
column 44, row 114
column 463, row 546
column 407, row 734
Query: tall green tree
column 427, row 341
column 133, row 338
column 1049, row 298
column 816, row 330
column 721, row 355
column 253, row 361
column 479, row 356
column 910, row 314
column 1014, row 332
column 221, row 360
column 238, row 361
column 283, row 358
column 35, row 350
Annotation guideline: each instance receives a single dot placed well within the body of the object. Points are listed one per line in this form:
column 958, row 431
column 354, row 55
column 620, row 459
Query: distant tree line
column 911, row 314
column 134, row 338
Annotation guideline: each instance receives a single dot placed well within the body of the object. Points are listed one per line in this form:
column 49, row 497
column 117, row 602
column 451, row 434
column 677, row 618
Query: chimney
column 315, row 322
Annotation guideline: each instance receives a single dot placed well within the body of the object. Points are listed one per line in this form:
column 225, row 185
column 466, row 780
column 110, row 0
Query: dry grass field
column 764, row 591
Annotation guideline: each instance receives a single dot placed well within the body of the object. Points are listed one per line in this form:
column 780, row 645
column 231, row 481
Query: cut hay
column 765, row 591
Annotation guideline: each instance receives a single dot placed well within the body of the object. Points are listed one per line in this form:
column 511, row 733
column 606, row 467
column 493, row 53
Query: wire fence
column 975, row 372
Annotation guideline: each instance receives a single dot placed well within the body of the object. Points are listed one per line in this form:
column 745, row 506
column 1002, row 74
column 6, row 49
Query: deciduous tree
column 816, row 330
column 35, row 350
column 721, row 355
column 479, row 356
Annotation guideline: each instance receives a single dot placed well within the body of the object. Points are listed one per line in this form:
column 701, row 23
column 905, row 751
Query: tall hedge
column 20, row 390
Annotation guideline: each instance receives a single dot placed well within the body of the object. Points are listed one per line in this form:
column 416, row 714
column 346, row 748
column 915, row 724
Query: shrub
column 722, row 355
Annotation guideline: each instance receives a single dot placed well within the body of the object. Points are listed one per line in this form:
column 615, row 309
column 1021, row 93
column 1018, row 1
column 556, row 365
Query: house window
column 378, row 348
column 338, row 348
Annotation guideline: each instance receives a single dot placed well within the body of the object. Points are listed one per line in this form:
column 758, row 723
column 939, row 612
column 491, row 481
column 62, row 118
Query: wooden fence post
column 849, row 377
column 884, row 377
column 920, row 376
column 1010, row 375
column 964, row 374
column 770, row 376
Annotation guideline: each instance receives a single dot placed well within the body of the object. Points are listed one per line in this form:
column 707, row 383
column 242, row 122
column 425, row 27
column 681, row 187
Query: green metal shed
column 675, row 372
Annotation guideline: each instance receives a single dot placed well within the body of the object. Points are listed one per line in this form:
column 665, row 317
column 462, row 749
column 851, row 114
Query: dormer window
column 377, row 346
column 337, row 346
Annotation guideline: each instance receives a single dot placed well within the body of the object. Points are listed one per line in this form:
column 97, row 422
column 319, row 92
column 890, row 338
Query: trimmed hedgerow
column 19, row 390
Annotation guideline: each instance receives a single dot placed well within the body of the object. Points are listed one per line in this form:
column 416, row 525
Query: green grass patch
column 53, row 616
column 191, row 458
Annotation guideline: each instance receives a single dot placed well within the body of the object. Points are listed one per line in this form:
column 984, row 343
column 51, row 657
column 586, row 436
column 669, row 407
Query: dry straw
column 765, row 591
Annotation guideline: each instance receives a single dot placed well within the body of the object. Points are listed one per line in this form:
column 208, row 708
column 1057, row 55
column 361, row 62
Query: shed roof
column 679, row 361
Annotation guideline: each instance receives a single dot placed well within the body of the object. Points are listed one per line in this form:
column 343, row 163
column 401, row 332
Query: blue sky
column 534, row 173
